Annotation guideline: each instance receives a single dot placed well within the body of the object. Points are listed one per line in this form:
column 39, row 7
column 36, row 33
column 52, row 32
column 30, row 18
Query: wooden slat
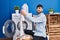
column 54, row 38
column 54, row 29
column 54, row 34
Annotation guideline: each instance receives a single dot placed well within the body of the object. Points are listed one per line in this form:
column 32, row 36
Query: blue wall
column 7, row 8
column 4, row 14
column 33, row 3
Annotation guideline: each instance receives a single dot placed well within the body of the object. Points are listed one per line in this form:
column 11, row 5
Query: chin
column 38, row 12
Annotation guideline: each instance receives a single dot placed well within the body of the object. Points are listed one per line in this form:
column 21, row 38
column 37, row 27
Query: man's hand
column 23, row 12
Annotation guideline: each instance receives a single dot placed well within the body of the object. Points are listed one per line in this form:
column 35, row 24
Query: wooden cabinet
column 53, row 26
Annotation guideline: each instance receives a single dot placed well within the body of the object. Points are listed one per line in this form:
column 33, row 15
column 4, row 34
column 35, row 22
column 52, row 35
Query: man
column 40, row 20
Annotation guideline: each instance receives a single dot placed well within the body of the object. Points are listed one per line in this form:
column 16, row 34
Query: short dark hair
column 39, row 5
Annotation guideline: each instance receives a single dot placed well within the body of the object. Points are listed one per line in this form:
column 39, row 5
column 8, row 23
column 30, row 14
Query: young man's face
column 39, row 10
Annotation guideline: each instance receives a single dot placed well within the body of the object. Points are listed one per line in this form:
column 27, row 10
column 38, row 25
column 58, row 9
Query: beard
column 39, row 12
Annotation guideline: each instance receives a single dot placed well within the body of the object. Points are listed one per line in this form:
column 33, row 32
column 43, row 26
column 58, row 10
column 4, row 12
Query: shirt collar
column 39, row 14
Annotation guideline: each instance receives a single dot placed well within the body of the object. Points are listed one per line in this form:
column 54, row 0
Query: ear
column 42, row 9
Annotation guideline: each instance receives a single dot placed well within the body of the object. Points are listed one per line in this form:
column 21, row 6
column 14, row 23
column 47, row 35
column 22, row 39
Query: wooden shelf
column 53, row 26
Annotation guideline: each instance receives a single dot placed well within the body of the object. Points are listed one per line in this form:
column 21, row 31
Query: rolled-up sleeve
column 38, row 19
